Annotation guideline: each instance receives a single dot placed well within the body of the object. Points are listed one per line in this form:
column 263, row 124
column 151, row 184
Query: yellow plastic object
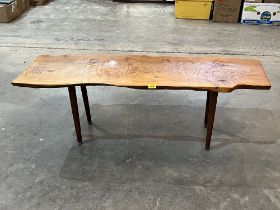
column 193, row 9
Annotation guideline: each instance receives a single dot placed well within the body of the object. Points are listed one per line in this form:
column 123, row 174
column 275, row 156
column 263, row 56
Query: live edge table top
column 140, row 71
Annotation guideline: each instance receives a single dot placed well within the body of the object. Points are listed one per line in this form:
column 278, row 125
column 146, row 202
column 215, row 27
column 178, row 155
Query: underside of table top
column 140, row 71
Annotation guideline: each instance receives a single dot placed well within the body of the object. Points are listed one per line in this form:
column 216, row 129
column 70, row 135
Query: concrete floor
column 145, row 149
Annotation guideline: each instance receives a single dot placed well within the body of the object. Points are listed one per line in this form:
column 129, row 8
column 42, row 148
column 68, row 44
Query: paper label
column 152, row 86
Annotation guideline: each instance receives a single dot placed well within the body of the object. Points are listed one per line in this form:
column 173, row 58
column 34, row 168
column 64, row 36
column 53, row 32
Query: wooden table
column 213, row 75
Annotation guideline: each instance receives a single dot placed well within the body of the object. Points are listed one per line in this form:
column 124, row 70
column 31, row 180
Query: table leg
column 211, row 116
column 75, row 112
column 207, row 109
column 86, row 104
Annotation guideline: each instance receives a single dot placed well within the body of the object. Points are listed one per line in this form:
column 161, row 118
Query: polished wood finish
column 138, row 71
column 75, row 112
column 210, row 118
column 86, row 104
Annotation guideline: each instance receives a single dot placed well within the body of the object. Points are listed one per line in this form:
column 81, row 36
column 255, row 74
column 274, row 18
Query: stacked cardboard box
column 38, row 2
column 226, row 11
column 267, row 13
column 254, row 1
column 11, row 9
column 24, row 5
column 272, row 1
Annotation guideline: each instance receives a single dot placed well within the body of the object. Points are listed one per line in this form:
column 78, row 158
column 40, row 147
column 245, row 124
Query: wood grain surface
column 139, row 71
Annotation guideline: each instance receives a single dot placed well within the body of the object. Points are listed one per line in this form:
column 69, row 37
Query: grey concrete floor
column 145, row 149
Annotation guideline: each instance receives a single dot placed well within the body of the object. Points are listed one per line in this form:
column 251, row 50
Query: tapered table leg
column 75, row 112
column 211, row 117
column 86, row 104
column 207, row 109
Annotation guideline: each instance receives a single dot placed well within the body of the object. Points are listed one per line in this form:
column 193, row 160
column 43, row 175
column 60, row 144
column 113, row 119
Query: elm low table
column 213, row 75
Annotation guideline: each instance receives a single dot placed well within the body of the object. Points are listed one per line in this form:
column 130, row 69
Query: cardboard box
column 255, row 1
column 9, row 12
column 193, row 9
column 261, row 13
column 38, row 2
column 226, row 11
column 272, row 1
column 24, row 5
